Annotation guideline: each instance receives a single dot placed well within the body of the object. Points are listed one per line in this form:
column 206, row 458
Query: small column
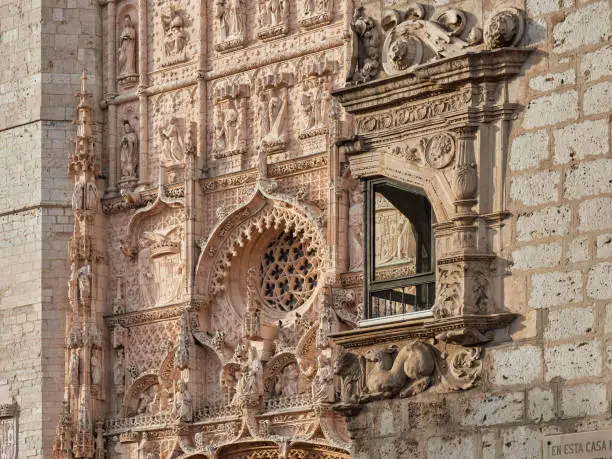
column 143, row 158
column 112, row 93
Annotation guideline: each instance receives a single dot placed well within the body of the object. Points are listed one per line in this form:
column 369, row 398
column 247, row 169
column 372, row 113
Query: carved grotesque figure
column 349, row 369
column 129, row 151
column 127, row 47
column 407, row 374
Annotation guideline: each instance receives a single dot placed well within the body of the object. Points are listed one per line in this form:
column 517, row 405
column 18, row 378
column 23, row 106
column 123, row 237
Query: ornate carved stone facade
column 230, row 237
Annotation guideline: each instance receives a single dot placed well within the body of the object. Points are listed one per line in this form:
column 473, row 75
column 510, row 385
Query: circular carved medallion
column 440, row 151
column 401, row 50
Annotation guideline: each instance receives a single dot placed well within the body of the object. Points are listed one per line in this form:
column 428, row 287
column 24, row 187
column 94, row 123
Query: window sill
column 410, row 316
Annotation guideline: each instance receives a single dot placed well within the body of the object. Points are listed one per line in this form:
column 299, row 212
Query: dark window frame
column 373, row 286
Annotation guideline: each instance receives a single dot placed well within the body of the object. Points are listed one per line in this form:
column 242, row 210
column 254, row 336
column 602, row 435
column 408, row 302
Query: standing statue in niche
column 355, row 230
column 129, row 151
column 127, row 47
column 183, row 403
column 146, row 280
column 277, row 115
column 231, row 126
column 84, row 285
column 229, row 13
column 118, row 371
column 174, row 148
column 262, row 113
column 74, row 367
column 220, row 144
column 96, row 369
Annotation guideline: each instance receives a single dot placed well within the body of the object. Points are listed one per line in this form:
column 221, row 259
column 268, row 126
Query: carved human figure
column 85, row 197
column 118, row 370
column 96, row 369
column 74, row 366
column 250, row 379
column 175, row 150
column 263, row 14
column 366, row 39
column 231, row 126
column 277, row 108
column 355, row 230
column 220, row 144
column 146, row 281
column 129, row 151
column 322, row 382
column 306, row 102
column 175, row 37
column 262, row 114
column 183, row 403
column 84, row 285
column 127, row 47
column 230, row 16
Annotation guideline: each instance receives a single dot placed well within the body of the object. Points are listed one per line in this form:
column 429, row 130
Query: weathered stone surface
column 599, row 284
column 528, row 150
column 461, row 447
column 555, row 288
column 540, row 405
column 597, row 99
column 551, row 221
column 492, row 409
column 521, row 442
column 539, row 7
column 596, row 65
column 552, row 81
column 552, row 109
column 522, row 365
column 571, row 361
column 569, row 322
column 595, row 214
column 536, row 256
column 535, row 189
column 608, row 321
column 581, row 140
column 589, row 178
column 578, row 250
column 584, row 400
column 587, row 25
column 603, row 246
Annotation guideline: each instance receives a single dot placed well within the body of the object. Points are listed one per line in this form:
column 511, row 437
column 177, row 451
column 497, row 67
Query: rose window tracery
column 289, row 272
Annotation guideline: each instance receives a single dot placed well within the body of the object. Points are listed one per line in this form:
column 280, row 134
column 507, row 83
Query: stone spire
column 74, row 437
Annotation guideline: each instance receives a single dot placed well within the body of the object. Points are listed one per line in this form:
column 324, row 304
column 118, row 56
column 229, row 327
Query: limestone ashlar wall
column 554, row 372
column 44, row 46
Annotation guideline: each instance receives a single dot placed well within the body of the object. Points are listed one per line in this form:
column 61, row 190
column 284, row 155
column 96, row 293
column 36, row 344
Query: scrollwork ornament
column 504, row 28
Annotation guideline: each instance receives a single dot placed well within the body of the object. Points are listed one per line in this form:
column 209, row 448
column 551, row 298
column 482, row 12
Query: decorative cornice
column 141, row 199
column 158, row 314
column 442, row 329
column 8, row 410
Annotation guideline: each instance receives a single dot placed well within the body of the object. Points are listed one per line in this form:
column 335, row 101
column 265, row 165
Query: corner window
column 400, row 265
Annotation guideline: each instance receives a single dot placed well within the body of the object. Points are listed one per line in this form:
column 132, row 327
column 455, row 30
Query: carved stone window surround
column 455, row 98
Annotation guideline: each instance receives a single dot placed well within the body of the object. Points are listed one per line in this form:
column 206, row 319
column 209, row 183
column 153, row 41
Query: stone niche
column 429, row 96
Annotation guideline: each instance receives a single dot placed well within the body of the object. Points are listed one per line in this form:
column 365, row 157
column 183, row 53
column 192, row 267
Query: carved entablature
column 230, row 122
column 436, row 120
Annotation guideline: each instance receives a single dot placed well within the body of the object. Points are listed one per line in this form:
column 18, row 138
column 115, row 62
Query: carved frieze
column 315, row 13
